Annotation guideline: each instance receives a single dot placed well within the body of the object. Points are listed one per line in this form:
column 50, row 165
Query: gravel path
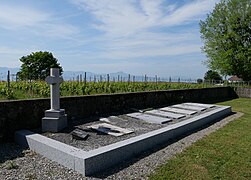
column 17, row 163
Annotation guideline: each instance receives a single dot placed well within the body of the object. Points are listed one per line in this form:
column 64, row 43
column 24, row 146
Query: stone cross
column 54, row 80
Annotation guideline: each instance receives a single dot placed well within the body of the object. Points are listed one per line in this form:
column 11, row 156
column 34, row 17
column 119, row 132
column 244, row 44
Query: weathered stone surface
column 184, row 106
column 200, row 105
column 178, row 110
column 79, row 134
column 165, row 114
column 110, row 129
column 55, row 119
column 149, row 118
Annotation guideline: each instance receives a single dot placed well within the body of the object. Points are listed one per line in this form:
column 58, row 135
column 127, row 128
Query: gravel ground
column 18, row 163
column 97, row 139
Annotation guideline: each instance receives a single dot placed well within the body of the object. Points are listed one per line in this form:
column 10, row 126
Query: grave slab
column 201, row 105
column 149, row 118
column 165, row 114
column 110, row 129
column 189, row 107
column 79, row 134
column 177, row 110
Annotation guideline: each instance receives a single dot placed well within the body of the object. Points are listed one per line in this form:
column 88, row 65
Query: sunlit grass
column 225, row 154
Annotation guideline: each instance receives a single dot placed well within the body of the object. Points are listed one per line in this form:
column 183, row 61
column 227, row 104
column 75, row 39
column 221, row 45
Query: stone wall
column 27, row 114
column 243, row 92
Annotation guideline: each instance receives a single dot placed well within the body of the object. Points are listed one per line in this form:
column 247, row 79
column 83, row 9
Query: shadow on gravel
column 10, row 151
column 136, row 158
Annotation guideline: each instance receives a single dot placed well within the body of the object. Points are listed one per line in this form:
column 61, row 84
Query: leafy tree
column 226, row 33
column 212, row 75
column 37, row 66
column 199, row 81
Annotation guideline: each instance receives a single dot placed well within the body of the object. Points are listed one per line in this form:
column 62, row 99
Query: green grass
column 225, row 154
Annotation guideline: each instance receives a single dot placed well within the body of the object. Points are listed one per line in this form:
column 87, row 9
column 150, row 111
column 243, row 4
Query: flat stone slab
column 149, row 118
column 110, row 129
column 177, row 110
column 189, row 107
column 165, row 114
column 200, row 105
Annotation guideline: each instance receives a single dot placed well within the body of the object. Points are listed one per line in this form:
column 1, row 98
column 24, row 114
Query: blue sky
column 153, row 37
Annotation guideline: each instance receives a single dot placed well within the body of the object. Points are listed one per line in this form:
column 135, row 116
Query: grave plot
column 97, row 137
column 89, row 156
column 112, row 140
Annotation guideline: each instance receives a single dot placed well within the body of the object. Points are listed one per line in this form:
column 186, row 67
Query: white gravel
column 17, row 163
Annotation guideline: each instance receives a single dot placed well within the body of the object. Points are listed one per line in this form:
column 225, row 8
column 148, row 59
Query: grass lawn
column 224, row 154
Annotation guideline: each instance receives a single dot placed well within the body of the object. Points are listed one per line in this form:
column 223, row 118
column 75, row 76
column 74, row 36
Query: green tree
column 212, row 76
column 199, row 81
column 37, row 66
column 226, row 33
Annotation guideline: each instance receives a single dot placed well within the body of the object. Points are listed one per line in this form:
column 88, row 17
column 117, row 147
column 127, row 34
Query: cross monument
column 55, row 119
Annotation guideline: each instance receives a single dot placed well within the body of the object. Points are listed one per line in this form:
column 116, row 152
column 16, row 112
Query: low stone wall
column 27, row 114
column 243, row 92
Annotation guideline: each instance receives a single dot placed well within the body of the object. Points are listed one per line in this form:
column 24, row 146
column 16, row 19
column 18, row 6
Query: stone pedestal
column 54, row 121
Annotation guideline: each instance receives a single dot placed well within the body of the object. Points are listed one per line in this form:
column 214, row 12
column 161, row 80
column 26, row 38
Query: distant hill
column 69, row 75
column 77, row 75
column 74, row 75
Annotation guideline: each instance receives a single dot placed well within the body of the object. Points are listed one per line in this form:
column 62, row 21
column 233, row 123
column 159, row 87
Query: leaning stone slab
column 110, row 129
column 79, row 134
column 149, row 118
column 97, row 160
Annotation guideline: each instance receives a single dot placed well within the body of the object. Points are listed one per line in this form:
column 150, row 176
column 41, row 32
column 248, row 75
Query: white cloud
column 8, row 50
column 127, row 17
column 144, row 28
column 107, row 34
column 189, row 12
column 12, row 17
column 17, row 18
column 152, row 9
column 150, row 52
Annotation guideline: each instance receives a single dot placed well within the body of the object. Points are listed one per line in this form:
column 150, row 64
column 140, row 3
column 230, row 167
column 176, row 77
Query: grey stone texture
column 243, row 92
column 189, row 107
column 165, row 114
column 55, row 118
column 178, row 110
column 200, row 105
column 149, row 118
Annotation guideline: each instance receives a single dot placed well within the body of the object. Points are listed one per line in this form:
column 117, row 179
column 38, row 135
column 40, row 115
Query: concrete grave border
column 91, row 162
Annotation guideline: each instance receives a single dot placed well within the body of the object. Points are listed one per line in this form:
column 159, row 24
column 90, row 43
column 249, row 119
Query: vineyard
column 40, row 89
